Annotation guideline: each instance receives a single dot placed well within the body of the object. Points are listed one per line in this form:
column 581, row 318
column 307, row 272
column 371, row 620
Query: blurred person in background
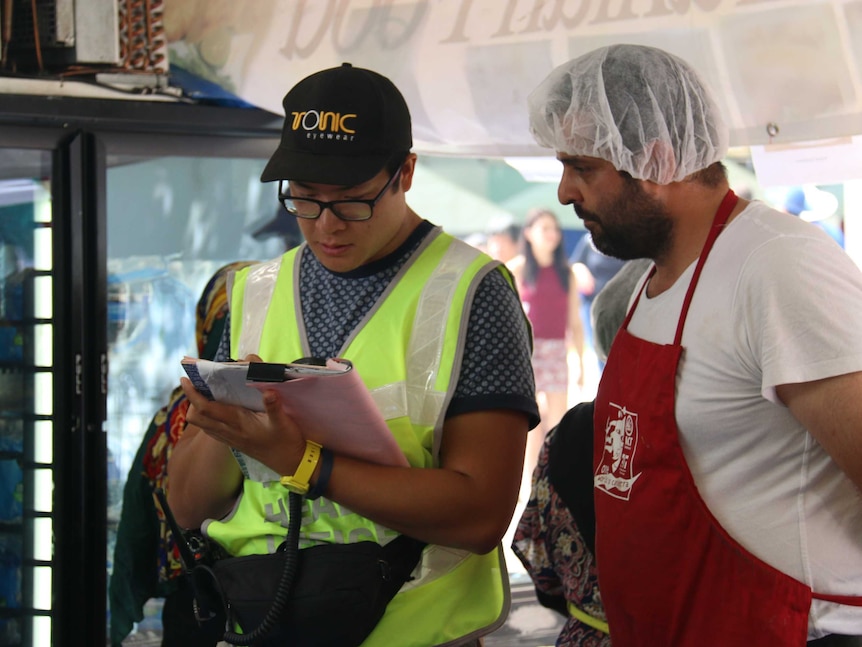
column 549, row 294
column 593, row 270
column 815, row 206
column 503, row 240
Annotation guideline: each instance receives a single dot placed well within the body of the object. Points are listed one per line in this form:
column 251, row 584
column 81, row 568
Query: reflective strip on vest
column 259, row 288
column 414, row 398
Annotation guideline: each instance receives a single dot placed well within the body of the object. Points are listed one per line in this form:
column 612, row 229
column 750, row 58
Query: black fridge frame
column 83, row 135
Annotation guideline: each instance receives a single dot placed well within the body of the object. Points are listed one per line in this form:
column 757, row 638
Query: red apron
column 669, row 575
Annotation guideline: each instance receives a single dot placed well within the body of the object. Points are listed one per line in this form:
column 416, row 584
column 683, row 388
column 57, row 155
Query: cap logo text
column 331, row 122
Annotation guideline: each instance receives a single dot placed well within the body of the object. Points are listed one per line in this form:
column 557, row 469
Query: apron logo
column 614, row 473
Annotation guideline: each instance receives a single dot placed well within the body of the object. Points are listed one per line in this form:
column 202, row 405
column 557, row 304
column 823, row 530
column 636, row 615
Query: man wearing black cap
column 435, row 330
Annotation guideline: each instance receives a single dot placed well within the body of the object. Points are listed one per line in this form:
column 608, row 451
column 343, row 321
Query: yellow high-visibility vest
column 407, row 353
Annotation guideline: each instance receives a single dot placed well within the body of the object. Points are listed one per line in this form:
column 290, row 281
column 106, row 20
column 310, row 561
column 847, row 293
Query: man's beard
column 634, row 225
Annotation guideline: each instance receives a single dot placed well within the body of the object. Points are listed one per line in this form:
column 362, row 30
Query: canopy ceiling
column 466, row 66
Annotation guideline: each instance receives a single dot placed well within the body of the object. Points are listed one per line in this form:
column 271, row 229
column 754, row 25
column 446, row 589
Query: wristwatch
column 299, row 481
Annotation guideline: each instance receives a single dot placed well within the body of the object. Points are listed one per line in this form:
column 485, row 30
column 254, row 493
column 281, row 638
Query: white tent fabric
column 783, row 70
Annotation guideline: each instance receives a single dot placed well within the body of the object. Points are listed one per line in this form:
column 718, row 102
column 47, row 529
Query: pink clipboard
column 331, row 405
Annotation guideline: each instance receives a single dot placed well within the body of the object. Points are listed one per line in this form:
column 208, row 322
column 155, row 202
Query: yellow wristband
column 299, row 481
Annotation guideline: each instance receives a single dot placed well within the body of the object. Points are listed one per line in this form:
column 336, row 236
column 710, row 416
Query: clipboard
column 329, row 402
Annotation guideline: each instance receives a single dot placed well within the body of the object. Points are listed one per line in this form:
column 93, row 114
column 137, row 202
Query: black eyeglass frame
column 283, row 198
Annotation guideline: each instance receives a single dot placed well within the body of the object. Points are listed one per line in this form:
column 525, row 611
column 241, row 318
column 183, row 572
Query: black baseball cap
column 341, row 126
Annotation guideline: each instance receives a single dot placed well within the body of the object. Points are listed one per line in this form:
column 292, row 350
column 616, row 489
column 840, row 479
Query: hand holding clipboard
column 330, row 404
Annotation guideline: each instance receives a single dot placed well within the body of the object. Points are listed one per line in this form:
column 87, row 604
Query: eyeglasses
column 349, row 210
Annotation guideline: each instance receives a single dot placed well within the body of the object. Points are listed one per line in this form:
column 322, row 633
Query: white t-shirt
column 778, row 302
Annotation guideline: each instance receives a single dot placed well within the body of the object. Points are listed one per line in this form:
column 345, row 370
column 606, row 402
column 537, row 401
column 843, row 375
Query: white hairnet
column 642, row 109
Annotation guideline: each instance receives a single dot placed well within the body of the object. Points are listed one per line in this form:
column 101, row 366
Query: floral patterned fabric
column 552, row 549
column 169, row 423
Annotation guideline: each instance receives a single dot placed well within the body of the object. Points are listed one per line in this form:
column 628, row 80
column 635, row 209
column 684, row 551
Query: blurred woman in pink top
column 549, row 294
